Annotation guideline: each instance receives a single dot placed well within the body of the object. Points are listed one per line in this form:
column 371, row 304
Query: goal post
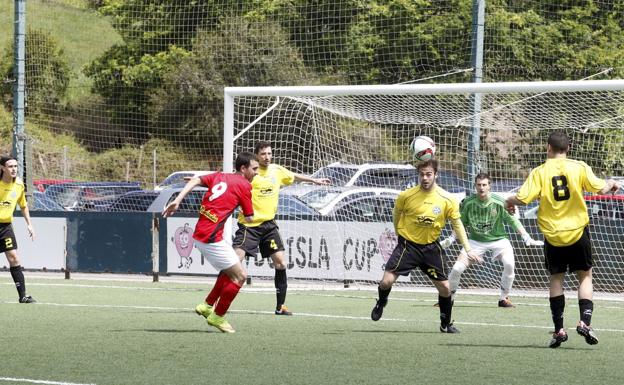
column 356, row 127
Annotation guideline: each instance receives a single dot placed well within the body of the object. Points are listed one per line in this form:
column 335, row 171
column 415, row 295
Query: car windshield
column 176, row 178
column 319, row 198
column 339, row 176
column 388, row 177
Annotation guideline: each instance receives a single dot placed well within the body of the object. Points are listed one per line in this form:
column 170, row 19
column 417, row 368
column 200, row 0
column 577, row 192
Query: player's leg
column 231, row 278
column 557, row 264
column 272, row 246
column 446, row 304
column 383, row 290
column 586, row 306
column 460, row 265
column 281, row 283
column 504, row 252
column 18, row 276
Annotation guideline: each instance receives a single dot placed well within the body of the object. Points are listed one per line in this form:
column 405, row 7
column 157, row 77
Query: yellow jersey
column 419, row 216
column 559, row 184
column 265, row 189
column 11, row 194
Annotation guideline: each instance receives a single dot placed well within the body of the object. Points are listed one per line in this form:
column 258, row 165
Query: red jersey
column 225, row 192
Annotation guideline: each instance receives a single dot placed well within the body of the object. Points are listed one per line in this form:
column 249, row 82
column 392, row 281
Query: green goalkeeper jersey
column 485, row 220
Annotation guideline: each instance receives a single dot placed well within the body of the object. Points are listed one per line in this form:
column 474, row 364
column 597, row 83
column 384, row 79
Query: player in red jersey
column 226, row 191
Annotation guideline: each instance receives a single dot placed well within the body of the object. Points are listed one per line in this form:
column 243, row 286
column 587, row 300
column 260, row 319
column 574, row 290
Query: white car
column 325, row 199
column 179, row 178
column 389, row 175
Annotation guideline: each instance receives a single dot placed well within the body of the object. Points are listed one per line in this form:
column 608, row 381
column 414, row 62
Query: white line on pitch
column 39, row 381
column 346, row 317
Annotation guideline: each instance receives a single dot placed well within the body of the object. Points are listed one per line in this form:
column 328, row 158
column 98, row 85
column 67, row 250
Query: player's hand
column 31, row 232
column 448, row 241
column 530, row 241
column 511, row 208
column 474, row 257
column 322, row 181
column 170, row 209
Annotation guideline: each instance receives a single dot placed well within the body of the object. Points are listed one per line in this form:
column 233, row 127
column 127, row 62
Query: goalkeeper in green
column 484, row 216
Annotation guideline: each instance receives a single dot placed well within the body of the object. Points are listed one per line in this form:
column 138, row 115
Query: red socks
column 222, row 294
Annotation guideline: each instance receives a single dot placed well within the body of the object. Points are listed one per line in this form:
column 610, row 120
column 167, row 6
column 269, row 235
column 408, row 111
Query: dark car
column 605, row 206
column 133, row 201
column 89, row 196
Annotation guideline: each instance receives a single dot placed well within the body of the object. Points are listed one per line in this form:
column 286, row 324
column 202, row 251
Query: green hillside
column 82, row 33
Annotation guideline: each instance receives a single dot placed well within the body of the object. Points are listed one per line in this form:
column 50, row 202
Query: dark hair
column 428, row 163
column 483, row 175
column 244, row 160
column 3, row 160
column 559, row 141
column 260, row 146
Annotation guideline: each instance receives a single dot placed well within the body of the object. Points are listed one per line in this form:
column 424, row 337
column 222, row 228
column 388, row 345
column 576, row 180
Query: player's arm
column 397, row 211
column 26, row 215
column 611, row 186
column 247, row 205
column 462, row 237
column 175, row 204
column 309, row 179
column 515, row 224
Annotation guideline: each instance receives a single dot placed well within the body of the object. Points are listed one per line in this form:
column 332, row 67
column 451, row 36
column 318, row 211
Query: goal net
column 358, row 136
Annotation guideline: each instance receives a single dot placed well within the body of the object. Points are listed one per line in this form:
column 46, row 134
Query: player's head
column 263, row 153
column 558, row 142
column 427, row 174
column 247, row 165
column 483, row 185
column 8, row 165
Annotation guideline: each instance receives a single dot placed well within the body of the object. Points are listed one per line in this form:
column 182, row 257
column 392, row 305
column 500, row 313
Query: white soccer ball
column 423, row 148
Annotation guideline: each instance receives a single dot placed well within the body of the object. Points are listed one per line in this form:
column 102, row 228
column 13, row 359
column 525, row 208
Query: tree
column 47, row 73
column 189, row 104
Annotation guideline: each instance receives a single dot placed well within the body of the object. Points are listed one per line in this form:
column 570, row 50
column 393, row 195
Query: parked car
column 605, row 206
column 190, row 204
column 325, row 199
column 39, row 202
column 179, row 178
column 88, row 196
column 42, row 184
column 376, row 208
column 133, row 201
column 387, row 175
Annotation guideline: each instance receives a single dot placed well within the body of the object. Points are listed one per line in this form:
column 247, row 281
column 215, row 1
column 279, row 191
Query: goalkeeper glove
column 446, row 242
column 530, row 241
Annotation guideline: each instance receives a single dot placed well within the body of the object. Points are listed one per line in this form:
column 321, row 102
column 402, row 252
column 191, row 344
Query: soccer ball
column 423, row 148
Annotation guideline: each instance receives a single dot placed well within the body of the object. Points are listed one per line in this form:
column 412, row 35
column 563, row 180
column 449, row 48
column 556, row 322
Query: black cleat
column 587, row 332
column 27, row 299
column 378, row 310
column 505, row 303
column 558, row 338
column 449, row 328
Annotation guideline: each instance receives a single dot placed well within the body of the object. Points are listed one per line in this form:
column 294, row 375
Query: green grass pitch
column 98, row 331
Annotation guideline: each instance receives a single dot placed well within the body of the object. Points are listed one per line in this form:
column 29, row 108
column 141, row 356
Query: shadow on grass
column 515, row 346
column 175, row 331
column 401, row 331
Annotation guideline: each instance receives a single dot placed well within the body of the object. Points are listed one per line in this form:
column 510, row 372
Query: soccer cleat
column 378, row 310
column 449, row 328
column 505, row 303
column 558, row 338
column 587, row 332
column 220, row 323
column 27, row 299
column 203, row 309
column 283, row 310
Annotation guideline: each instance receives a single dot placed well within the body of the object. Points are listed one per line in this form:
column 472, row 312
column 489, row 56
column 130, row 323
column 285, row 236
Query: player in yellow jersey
column 263, row 232
column 12, row 194
column 559, row 184
column 419, row 215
